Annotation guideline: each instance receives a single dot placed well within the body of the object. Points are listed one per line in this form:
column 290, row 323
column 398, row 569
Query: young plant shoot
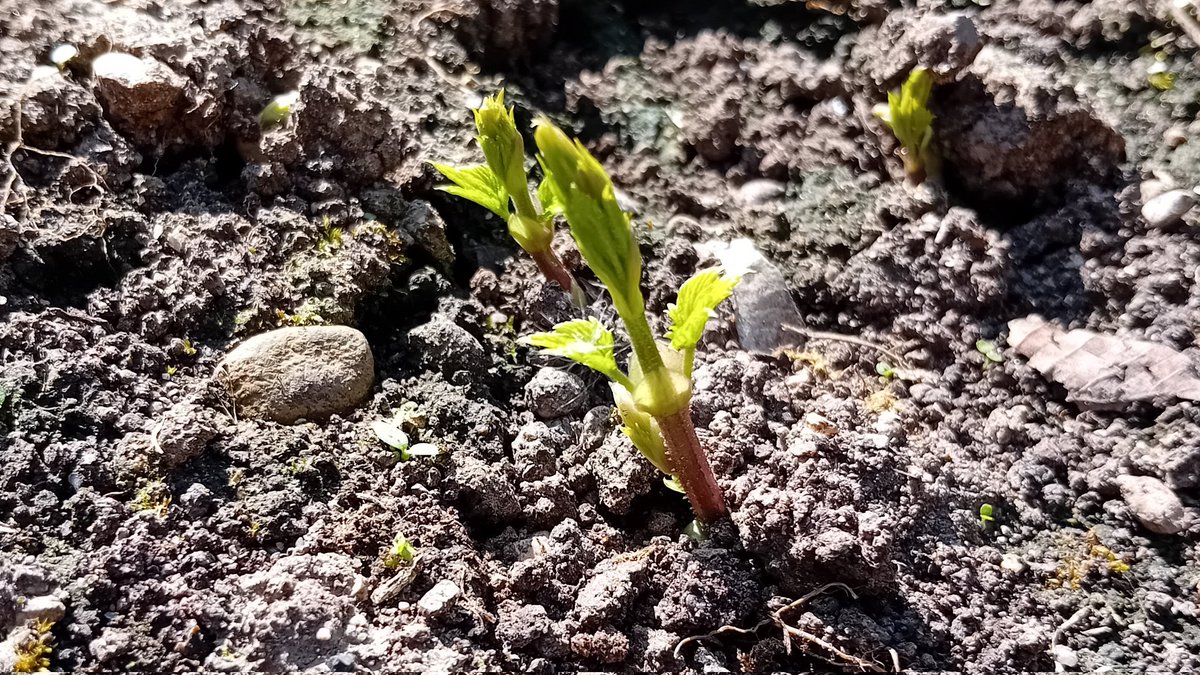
column 501, row 186
column 907, row 115
column 654, row 396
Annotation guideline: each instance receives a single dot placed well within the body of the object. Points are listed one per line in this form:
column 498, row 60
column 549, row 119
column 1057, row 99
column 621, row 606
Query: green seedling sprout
column 907, row 115
column 62, row 55
column 501, row 186
column 391, row 434
column 279, row 110
column 653, row 398
column 990, row 352
column 885, row 370
column 401, row 552
column 985, row 515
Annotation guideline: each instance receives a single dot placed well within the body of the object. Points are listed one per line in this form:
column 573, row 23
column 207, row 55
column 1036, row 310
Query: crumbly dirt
column 141, row 238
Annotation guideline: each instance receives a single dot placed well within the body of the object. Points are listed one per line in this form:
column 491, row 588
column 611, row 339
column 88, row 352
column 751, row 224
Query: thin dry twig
column 1069, row 623
column 849, row 339
column 1187, row 23
column 9, row 151
column 789, row 632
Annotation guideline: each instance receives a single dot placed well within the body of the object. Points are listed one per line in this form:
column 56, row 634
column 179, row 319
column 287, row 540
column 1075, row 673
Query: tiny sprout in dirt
column 389, row 432
column 33, row 654
column 501, row 186
column 653, row 397
column 990, row 352
column 62, row 55
column 401, row 552
column 985, row 514
column 907, row 115
column 885, row 370
column 279, row 110
column 1159, row 74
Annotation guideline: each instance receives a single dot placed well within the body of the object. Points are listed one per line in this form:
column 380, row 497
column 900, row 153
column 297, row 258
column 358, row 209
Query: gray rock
column 140, row 95
column 183, row 432
column 762, row 301
column 41, row 608
column 428, row 230
column 521, row 627
column 555, row 393
column 487, row 492
column 944, row 45
column 440, row 599
column 1168, row 208
column 308, row 372
column 10, row 236
column 1155, row 505
column 621, row 473
column 760, row 191
column 608, row 595
column 448, row 347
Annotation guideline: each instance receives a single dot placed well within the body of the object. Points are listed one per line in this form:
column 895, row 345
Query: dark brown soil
column 145, row 232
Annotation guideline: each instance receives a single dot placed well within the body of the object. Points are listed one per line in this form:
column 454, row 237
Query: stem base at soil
column 691, row 466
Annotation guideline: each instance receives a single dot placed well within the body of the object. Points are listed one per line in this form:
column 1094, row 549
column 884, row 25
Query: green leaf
column 698, row 297
column 985, row 514
column 424, row 450
column 477, row 183
column 389, row 432
column 550, row 197
column 504, row 148
column 989, row 351
column 909, row 117
column 673, row 483
column 402, row 551
column 642, row 429
column 600, row 228
column 584, row 341
column 279, row 110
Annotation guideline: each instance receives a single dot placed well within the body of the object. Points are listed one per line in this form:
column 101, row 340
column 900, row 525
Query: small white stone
column 1012, row 562
column 760, row 191
column 439, row 599
column 1155, row 505
column 1065, row 656
column 1168, row 208
column 42, row 608
column 877, row 441
column 324, row 634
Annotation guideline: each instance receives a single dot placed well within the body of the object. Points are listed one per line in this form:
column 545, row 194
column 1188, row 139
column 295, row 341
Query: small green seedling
column 188, row 348
column 63, row 54
column 653, row 397
column 402, row 552
column 33, row 654
column 885, row 370
column 1159, row 74
column 990, row 352
column 985, row 515
column 279, row 111
column 331, row 237
column 390, row 433
column 501, row 186
column 907, row 115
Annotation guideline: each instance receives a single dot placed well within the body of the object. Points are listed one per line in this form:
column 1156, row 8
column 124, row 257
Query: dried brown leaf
column 1102, row 370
